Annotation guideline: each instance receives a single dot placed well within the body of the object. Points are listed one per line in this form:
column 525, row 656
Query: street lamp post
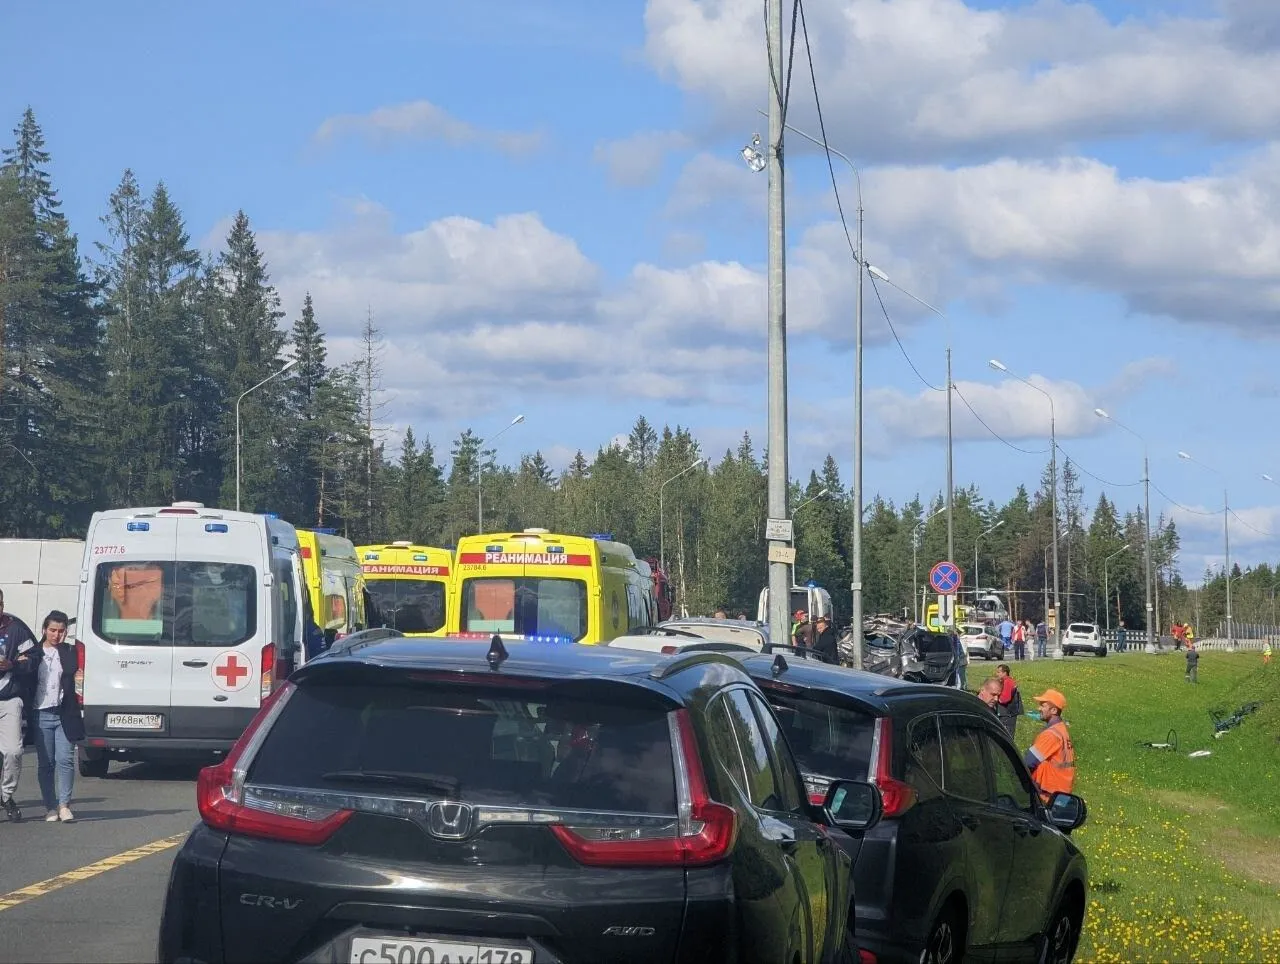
column 1053, row 482
column 662, row 516
column 480, row 469
column 1106, row 581
column 859, row 256
column 289, row 365
column 1226, row 542
column 986, row 532
column 1146, row 523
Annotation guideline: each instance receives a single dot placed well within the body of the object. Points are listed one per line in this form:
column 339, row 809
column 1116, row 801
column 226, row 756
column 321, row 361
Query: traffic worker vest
column 1057, row 770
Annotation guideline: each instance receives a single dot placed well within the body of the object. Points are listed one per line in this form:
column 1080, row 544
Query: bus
column 408, row 585
column 541, row 585
column 335, row 586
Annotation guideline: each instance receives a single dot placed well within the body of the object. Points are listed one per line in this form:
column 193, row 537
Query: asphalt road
column 83, row 912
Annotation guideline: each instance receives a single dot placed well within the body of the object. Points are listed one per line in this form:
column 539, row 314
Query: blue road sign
column 945, row 578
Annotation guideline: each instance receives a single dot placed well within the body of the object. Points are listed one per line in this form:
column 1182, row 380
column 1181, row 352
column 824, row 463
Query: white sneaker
column 65, row 814
column 51, row 816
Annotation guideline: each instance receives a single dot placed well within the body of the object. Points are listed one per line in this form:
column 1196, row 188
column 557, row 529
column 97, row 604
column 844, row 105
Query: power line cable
column 901, row 347
column 1174, row 502
column 1261, row 532
column 783, row 96
column 994, row 434
column 1096, row 478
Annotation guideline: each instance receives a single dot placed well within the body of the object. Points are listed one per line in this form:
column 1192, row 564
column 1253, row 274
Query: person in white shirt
column 56, row 718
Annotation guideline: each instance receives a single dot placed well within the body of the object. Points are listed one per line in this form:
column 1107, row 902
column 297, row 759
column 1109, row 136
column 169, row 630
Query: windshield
column 526, row 606
column 1083, row 628
column 827, row 740
column 515, row 747
column 175, row 603
column 409, row 605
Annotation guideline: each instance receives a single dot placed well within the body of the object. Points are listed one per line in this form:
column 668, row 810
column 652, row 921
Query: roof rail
column 685, row 660
column 366, row 637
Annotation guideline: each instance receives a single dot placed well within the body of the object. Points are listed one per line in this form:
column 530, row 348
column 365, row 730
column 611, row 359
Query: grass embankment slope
column 1183, row 856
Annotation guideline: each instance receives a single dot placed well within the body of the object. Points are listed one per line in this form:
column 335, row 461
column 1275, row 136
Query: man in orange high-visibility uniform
column 1052, row 758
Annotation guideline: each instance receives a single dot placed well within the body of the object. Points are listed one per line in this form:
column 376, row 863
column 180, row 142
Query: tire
column 93, row 766
column 1062, row 936
column 1102, row 651
column 945, row 943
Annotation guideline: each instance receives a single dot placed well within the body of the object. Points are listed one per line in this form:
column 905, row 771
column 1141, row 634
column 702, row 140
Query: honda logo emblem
column 450, row 821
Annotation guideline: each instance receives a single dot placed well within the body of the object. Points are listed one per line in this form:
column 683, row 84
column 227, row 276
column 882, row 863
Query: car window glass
column 1012, row 785
column 787, row 776
column 724, row 743
column 761, row 781
column 923, row 769
column 964, row 770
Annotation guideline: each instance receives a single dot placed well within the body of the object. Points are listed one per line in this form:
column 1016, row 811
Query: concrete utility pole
column 951, row 484
column 856, row 548
column 779, row 590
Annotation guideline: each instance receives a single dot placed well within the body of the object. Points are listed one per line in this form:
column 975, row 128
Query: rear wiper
column 425, row 781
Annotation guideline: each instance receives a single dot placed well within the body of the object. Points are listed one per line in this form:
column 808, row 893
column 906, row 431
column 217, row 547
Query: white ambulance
column 188, row 618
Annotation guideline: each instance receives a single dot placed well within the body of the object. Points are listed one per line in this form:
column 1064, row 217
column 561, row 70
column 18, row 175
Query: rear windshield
column 827, row 740
column 1084, row 628
column 409, row 605
column 506, row 748
column 526, row 606
column 175, row 603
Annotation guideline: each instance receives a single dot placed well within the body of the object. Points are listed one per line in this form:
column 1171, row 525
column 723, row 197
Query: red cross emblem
column 231, row 670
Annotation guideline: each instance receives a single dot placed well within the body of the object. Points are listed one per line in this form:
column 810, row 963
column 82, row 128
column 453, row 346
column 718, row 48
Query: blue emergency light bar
column 370, row 556
column 417, row 557
column 138, row 526
column 271, row 515
column 326, row 532
column 493, row 548
column 555, row 548
column 602, row 536
column 215, row 527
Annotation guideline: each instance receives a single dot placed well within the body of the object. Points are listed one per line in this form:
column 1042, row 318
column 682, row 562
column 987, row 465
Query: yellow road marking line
column 16, row 897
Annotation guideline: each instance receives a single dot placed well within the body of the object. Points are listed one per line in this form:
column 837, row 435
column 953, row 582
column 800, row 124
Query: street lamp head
column 697, row 463
column 823, row 494
column 876, row 272
column 1267, row 477
column 1101, row 413
column 997, row 365
column 517, row 420
column 753, row 155
column 290, row 364
column 999, row 524
column 1185, row 457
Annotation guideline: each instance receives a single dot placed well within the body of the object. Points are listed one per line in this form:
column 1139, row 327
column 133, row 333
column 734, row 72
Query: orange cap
column 1054, row 697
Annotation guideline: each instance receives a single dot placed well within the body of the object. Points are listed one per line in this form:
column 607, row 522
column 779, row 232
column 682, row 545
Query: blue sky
column 543, row 205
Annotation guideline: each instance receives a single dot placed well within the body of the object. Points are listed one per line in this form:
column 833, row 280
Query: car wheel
column 93, row 766
column 1061, row 938
column 1102, row 651
column 945, row 944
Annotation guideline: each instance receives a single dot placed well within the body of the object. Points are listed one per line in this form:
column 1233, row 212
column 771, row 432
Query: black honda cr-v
column 966, row 864
column 452, row 801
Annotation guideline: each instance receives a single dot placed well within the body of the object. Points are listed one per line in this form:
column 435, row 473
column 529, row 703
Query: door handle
column 195, row 663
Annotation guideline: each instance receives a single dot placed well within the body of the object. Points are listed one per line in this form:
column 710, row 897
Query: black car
column 966, row 864
column 448, row 800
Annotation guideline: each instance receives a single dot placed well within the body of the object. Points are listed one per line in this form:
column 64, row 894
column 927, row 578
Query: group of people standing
column 1023, row 633
column 38, row 704
column 1051, row 758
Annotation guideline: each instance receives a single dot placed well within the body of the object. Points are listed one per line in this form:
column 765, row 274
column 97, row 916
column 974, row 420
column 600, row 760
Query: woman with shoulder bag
column 56, row 719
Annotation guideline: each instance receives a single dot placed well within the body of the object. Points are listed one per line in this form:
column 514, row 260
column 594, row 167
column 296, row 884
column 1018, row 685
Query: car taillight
column 898, row 797
column 268, row 678
column 227, row 805
column 866, row 957
column 670, row 650
column 80, row 673
column 816, row 788
column 702, row 833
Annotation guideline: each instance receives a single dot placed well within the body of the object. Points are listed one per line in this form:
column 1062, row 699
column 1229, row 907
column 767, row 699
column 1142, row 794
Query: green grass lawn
column 1183, row 856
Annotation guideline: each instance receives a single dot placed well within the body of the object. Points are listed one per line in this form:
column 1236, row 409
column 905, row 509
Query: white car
column 981, row 641
column 1083, row 638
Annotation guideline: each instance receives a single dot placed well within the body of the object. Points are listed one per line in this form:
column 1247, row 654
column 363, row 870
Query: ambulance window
column 526, row 606
column 133, row 602
column 409, row 605
column 175, row 604
column 221, row 608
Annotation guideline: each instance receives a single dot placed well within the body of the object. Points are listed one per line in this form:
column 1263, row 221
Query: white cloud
column 709, row 181
column 635, row 161
column 425, row 121
column 916, row 78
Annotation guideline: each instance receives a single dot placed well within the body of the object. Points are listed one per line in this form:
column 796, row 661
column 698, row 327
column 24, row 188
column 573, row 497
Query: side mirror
column 852, row 805
column 1067, row 811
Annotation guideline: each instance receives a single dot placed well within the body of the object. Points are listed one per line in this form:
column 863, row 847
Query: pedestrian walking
column 1020, row 640
column 1006, row 634
column 17, row 646
column 1266, row 652
column 1009, row 703
column 1042, row 639
column 962, row 660
column 1193, row 661
column 1052, row 757
column 55, row 718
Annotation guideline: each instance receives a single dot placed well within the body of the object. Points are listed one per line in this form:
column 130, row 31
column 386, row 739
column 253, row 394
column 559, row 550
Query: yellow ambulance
column 408, row 585
column 335, row 585
column 543, row 586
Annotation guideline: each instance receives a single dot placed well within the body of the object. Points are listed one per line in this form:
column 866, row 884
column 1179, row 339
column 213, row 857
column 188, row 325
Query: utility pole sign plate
column 779, row 530
column 945, row 578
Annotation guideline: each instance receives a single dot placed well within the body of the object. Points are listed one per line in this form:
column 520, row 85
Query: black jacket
column 14, row 633
column 824, row 644
column 68, row 705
